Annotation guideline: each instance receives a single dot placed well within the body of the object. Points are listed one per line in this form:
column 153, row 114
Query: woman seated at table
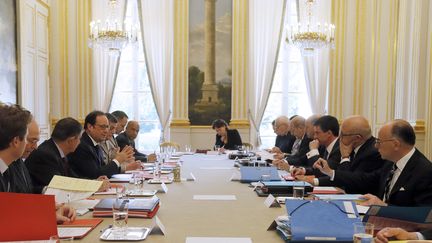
column 226, row 138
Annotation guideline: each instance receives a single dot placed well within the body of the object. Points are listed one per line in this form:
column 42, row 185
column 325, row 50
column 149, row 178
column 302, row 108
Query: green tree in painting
column 196, row 80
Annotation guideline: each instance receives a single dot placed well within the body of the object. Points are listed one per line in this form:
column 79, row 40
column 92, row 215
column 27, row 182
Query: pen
column 108, row 227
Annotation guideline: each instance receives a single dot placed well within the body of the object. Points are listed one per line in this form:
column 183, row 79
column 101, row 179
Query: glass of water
column 120, row 218
column 363, row 232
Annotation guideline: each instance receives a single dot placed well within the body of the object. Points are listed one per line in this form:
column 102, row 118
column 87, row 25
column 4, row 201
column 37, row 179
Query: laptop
column 251, row 174
column 27, row 217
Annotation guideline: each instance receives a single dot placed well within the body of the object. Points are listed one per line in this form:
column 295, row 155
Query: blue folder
column 321, row 221
column 251, row 174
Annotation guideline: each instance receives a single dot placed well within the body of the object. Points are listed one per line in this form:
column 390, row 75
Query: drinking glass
column 120, row 218
column 188, row 148
column 363, row 232
column 298, row 192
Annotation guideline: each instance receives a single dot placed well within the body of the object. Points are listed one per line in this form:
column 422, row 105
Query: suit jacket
column 45, row 162
column 427, row 234
column 87, row 164
column 123, row 140
column 21, row 181
column 3, row 183
column 367, row 159
column 333, row 159
column 412, row 188
column 300, row 159
column 285, row 143
column 234, row 140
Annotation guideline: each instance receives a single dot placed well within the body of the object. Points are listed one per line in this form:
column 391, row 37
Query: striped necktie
column 388, row 183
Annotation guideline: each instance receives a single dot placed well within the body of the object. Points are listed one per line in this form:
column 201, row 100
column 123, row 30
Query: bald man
column 128, row 138
column 21, row 179
column 405, row 181
column 284, row 139
column 358, row 154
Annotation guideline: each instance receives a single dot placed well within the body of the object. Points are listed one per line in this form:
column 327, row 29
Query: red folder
column 27, row 217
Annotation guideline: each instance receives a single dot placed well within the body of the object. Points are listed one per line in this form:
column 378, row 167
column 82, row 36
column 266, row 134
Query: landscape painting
column 210, row 60
column 8, row 58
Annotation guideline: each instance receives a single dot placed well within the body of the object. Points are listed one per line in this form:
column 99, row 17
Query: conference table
column 183, row 217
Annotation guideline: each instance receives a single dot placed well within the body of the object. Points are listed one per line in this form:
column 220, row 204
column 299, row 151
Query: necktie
column 7, row 183
column 325, row 155
column 388, row 183
column 99, row 154
column 66, row 166
column 295, row 147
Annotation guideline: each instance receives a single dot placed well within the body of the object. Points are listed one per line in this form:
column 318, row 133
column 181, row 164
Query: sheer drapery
column 105, row 65
column 156, row 18
column 266, row 20
column 316, row 67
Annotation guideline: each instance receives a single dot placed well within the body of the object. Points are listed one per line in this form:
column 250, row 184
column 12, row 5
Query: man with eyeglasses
column 358, row 154
column 22, row 181
column 407, row 181
column 87, row 159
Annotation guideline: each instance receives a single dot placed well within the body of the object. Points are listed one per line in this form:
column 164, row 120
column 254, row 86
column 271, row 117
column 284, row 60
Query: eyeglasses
column 380, row 141
column 102, row 126
column 350, row 134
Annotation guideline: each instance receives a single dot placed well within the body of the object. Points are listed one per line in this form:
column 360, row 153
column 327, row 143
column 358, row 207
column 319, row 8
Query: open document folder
column 27, row 217
column 319, row 221
column 68, row 189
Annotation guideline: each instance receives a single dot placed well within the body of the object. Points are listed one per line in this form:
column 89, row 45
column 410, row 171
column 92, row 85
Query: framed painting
column 8, row 52
column 210, row 60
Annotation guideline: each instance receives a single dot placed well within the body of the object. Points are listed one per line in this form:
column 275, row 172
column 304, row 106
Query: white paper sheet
column 63, row 196
column 217, row 240
column 75, row 184
column 216, row 168
column 362, row 209
column 215, row 197
column 72, row 231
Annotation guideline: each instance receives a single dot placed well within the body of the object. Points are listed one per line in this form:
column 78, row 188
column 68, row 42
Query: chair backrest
column 170, row 146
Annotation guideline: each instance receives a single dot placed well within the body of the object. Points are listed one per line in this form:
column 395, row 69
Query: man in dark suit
column 49, row 158
column 87, row 159
column 300, row 147
column 284, row 139
column 13, row 138
column 21, row 180
column 358, row 153
column 127, row 138
column 405, row 181
column 325, row 145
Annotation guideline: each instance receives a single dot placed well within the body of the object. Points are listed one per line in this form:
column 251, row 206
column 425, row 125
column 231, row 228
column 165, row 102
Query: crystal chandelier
column 309, row 37
column 111, row 35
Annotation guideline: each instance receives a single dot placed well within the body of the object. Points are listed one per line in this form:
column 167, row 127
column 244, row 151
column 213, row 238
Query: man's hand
column 398, row 233
column 308, row 179
column 105, row 183
column 276, row 150
column 314, row 144
column 279, row 156
column 133, row 165
column 372, row 200
column 298, row 171
column 281, row 164
column 125, row 155
column 345, row 150
column 322, row 165
column 65, row 213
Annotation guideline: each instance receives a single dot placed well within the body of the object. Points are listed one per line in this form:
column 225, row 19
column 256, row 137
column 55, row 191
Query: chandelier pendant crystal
column 309, row 37
column 111, row 35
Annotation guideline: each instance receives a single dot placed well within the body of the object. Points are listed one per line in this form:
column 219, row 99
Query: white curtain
column 316, row 67
column 265, row 31
column 157, row 26
column 105, row 65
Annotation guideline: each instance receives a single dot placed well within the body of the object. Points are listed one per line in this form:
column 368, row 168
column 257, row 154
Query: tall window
column 132, row 92
column 288, row 94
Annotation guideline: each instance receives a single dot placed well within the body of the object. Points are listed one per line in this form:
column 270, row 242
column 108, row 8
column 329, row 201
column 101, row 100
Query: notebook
column 251, row 174
column 30, row 213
